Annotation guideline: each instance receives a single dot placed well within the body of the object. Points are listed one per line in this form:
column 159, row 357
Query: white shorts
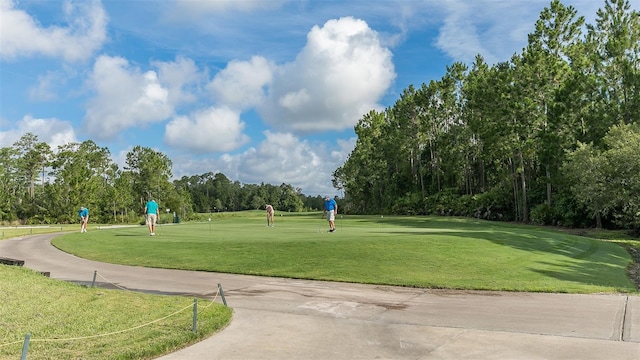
column 331, row 215
column 151, row 219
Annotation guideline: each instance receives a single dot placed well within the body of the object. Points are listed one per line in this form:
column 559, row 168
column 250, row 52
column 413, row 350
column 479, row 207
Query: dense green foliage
column 41, row 186
column 215, row 192
column 419, row 251
column 549, row 136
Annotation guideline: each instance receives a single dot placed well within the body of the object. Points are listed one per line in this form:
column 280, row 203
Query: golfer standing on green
column 152, row 213
column 330, row 210
column 270, row 213
column 84, row 219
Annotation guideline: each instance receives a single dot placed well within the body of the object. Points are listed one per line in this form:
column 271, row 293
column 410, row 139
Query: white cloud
column 23, row 36
column 459, row 36
column 241, row 84
column 345, row 147
column 343, row 71
column 280, row 158
column 120, row 158
column 495, row 29
column 181, row 77
column 47, row 87
column 126, row 97
column 54, row 132
column 339, row 75
column 209, row 130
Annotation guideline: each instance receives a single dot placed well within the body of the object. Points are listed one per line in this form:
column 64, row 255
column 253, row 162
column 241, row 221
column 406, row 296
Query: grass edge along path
column 426, row 252
column 75, row 304
column 69, row 321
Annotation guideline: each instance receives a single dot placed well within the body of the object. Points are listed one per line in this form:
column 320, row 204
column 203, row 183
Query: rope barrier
column 217, row 293
column 115, row 332
column 11, row 343
column 213, row 301
column 105, row 334
column 112, row 283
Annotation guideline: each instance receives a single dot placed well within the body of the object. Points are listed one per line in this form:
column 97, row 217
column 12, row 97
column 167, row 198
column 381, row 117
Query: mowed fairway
column 428, row 252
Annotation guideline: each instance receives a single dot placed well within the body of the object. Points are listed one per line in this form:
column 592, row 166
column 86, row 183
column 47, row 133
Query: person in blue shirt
column 331, row 210
column 84, row 219
column 151, row 213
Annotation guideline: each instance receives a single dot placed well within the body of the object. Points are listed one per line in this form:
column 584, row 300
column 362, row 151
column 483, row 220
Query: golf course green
column 427, row 252
column 71, row 321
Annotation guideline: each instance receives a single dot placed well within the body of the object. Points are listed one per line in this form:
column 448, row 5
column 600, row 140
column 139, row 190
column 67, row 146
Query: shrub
column 493, row 205
column 544, row 214
column 410, row 204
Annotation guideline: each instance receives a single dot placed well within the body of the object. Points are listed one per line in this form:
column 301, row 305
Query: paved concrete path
column 296, row 319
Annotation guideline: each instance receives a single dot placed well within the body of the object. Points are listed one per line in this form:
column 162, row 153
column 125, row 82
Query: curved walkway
column 297, row 319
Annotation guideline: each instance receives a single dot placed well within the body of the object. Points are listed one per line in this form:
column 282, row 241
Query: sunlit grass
column 429, row 252
column 67, row 321
column 7, row 232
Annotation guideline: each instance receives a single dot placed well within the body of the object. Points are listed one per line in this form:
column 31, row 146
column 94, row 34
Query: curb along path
column 296, row 319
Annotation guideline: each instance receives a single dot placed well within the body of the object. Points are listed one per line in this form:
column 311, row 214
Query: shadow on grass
column 434, row 222
column 588, row 261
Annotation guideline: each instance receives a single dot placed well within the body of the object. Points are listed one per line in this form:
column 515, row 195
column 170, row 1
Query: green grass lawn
column 7, row 232
column 68, row 321
column 429, row 252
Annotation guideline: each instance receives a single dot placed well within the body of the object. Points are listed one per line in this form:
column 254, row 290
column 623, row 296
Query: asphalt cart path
column 278, row 318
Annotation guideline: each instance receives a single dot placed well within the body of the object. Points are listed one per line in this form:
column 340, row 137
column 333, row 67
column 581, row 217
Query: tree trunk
column 422, row 192
column 514, row 184
column 523, row 179
column 32, row 185
column 482, row 177
column 548, row 187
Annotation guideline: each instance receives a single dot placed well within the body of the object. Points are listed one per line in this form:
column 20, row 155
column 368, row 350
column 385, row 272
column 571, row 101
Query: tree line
column 42, row 186
column 211, row 192
column 550, row 136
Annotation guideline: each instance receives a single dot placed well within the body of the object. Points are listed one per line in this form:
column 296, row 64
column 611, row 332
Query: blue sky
column 264, row 91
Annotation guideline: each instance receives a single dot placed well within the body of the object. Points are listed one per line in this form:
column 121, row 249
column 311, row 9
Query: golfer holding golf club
column 152, row 213
column 84, row 218
column 330, row 210
column 270, row 213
